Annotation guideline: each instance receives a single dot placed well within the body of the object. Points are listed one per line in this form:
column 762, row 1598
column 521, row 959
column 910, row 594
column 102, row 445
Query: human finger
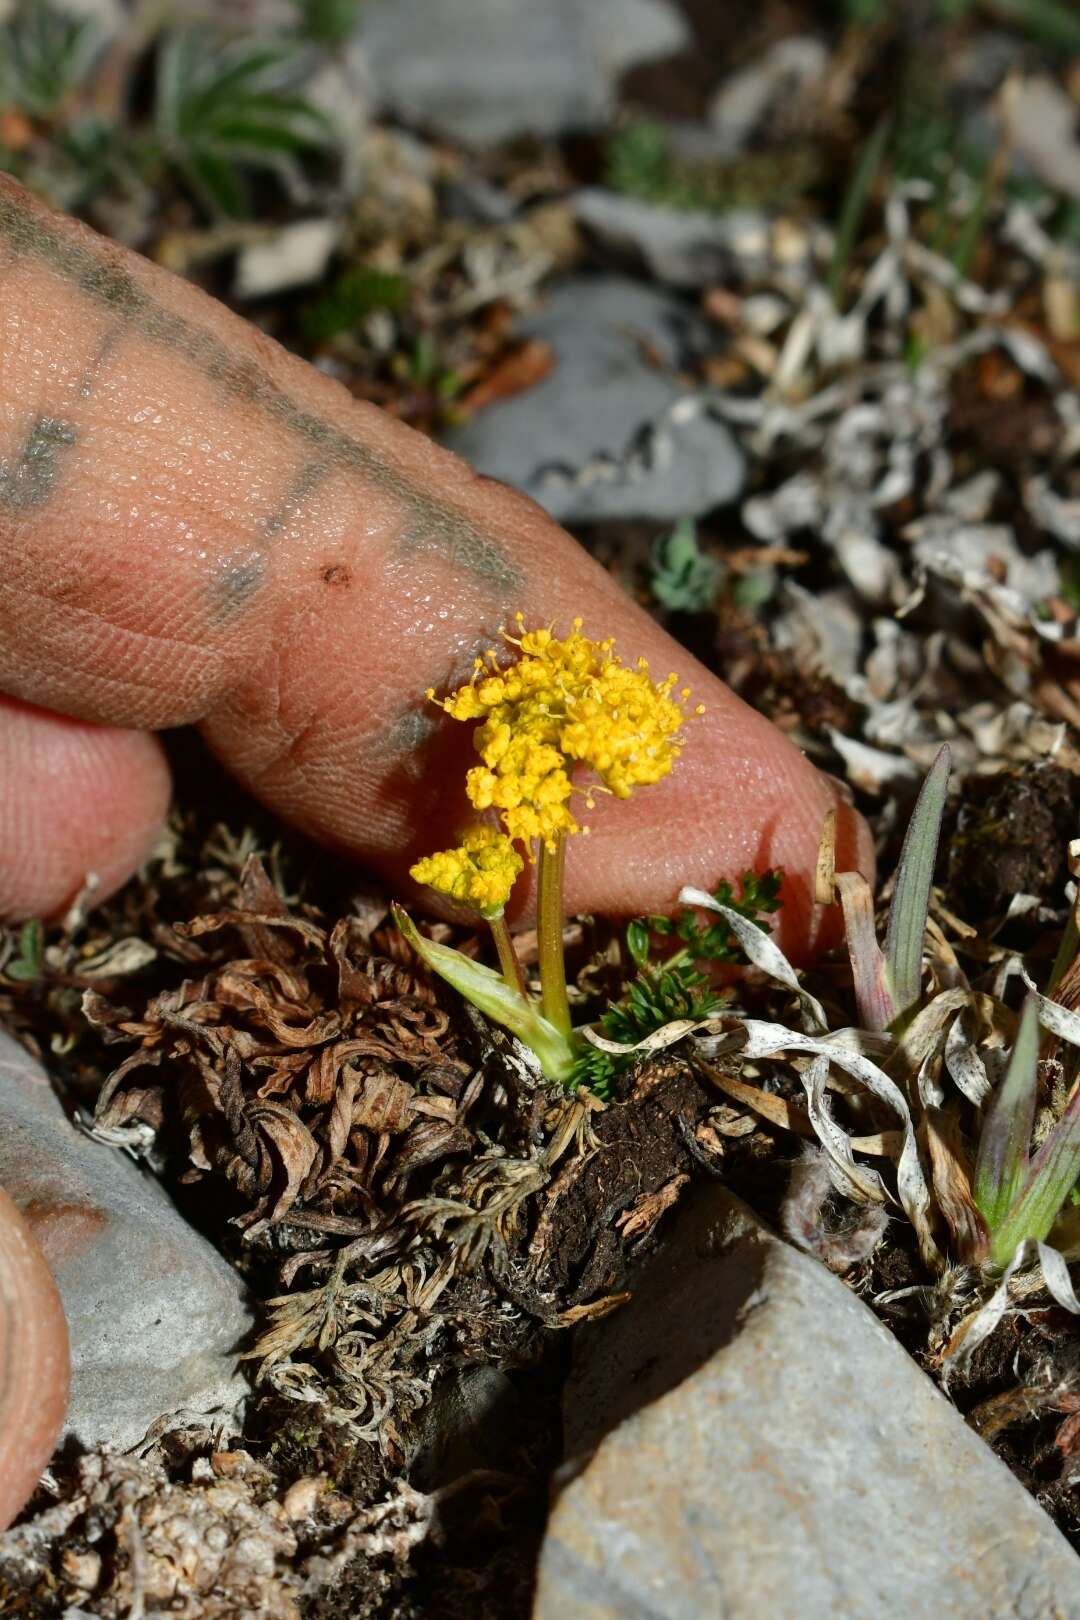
column 33, row 1361
column 79, row 803
column 197, row 527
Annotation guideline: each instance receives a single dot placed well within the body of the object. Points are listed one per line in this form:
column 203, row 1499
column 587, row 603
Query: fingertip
column 75, row 799
column 33, row 1362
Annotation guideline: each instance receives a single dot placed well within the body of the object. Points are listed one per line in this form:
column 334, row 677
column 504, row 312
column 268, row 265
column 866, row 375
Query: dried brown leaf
column 526, row 364
column 428, row 1140
column 385, row 1103
column 113, row 1109
column 594, row 1311
column 292, row 1147
column 253, row 925
column 825, row 869
column 645, row 1211
column 951, row 1182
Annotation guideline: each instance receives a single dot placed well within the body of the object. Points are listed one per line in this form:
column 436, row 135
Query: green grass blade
column 1003, row 1146
column 175, row 65
column 217, row 183
column 973, row 225
column 854, row 206
column 911, row 897
column 1047, row 1183
column 1053, row 22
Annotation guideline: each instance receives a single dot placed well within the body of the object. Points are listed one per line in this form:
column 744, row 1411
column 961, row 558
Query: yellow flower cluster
column 479, row 873
column 565, row 702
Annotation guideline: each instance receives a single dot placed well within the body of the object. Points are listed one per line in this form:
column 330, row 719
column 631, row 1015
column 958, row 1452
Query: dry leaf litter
column 405, row 1193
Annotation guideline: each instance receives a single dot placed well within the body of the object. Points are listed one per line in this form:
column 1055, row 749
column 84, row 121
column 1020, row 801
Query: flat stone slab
column 680, row 247
column 754, row 1444
column 609, row 433
column 155, row 1315
column 486, row 70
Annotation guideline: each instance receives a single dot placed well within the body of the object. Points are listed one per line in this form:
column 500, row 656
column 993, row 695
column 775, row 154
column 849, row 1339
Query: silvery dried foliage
column 860, row 418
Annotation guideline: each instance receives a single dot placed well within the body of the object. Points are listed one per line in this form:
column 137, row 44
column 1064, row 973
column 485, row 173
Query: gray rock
column 476, row 201
column 682, row 247
column 791, row 72
column 155, row 1315
column 467, row 1424
column 1041, row 124
column 609, row 433
column 765, row 1450
column 485, row 70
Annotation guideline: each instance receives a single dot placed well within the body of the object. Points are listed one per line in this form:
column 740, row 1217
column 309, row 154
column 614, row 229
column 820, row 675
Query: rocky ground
column 780, row 313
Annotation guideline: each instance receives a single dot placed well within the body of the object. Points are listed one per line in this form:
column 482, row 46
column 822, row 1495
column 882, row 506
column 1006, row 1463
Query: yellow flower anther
column 565, row 702
column 479, row 873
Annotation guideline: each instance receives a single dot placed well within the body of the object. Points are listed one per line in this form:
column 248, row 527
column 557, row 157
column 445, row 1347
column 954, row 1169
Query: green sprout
column 221, row 109
column 224, row 109
column 356, row 293
column 44, row 56
column 1014, row 1195
column 860, row 185
column 888, row 984
column 684, row 578
column 28, row 964
column 911, row 896
column 1019, row 1194
column 643, row 161
column 674, row 986
column 329, row 24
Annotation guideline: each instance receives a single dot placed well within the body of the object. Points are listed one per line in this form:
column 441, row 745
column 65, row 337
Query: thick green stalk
column 508, row 957
column 553, row 999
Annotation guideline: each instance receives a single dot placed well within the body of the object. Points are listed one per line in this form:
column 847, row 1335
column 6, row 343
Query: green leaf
column 220, row 109
column 217, row 183
column 1053, row 22
column 1006, row 1134
column 639, row 160
column 972, row 227
column 490, row 992
column 637, row 942
column 351, row 297
column 44, row 56
column 684, row 578
column 1047, row 1184
column 28, row 964
column 911, row 897
column 329, row 23
column 854, row 206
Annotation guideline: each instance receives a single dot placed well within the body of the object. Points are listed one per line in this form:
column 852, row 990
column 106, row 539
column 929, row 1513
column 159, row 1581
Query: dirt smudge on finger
column 29, row 481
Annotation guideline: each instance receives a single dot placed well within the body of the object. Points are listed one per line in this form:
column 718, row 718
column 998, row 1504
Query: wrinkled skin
column 198, row 528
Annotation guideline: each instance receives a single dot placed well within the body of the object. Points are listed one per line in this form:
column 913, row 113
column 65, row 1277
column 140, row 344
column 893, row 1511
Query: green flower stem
column 553, row 998
column 508, row 957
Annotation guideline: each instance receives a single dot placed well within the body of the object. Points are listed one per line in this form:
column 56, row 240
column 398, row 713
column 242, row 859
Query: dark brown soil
column 1010, row 836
